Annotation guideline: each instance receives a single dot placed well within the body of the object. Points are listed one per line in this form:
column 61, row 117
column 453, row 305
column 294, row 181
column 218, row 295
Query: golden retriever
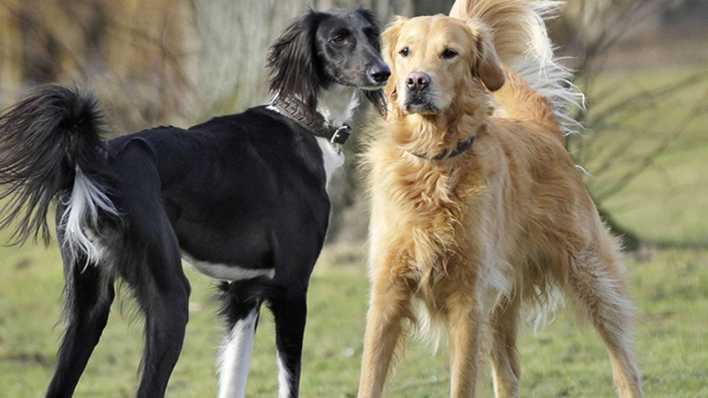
column 477, row 207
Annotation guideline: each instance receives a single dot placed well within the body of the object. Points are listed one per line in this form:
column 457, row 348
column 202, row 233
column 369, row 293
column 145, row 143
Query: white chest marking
column 337, row 104
column 332, row 157
column 236, row 357
column 227, row 272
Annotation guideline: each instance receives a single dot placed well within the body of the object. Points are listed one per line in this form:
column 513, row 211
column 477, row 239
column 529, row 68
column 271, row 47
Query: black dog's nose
column 418, row 81
column 379, row 74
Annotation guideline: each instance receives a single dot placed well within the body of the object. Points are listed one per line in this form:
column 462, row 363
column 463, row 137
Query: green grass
column 564, row 359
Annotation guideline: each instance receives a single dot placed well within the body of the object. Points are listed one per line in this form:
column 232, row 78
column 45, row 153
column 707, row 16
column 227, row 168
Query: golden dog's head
column 435, row 60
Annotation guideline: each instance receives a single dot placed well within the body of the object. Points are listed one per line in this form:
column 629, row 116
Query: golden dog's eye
column 405, row 51
column 448, row 53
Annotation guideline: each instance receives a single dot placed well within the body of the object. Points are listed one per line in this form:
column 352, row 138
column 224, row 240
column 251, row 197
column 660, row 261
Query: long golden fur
column 471, row 238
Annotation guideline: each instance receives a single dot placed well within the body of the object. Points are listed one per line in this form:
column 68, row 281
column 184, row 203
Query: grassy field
column 566, row 359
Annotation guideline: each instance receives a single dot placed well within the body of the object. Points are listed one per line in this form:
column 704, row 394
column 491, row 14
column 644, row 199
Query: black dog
column 241, row 197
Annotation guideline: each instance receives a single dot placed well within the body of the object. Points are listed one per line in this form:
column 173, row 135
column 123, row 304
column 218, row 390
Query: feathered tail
column 50, row 146
column 523, row 44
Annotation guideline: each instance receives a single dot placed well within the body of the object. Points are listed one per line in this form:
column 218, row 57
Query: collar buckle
column 294, row 109
column 341, row 134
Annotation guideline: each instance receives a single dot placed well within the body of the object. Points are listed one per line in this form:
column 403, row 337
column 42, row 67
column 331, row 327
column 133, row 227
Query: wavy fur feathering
column 50, row 147
column 522, row 42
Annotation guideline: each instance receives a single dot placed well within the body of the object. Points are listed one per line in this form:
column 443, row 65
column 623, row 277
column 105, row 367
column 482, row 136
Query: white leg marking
column 283, row 379
column 236, row 357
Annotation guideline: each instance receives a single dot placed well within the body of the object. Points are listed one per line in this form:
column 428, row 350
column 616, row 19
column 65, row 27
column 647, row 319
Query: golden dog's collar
column 461, row 148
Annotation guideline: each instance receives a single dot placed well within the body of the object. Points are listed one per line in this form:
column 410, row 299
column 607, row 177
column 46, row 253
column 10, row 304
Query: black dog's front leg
column 290, row 315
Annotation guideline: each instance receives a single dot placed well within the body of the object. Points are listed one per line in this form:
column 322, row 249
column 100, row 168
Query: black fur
column 292, row 61
column 42, row 140
column 242, row 194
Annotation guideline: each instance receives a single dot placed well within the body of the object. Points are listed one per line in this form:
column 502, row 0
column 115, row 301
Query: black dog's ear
column 375, row 27
column 292, row 61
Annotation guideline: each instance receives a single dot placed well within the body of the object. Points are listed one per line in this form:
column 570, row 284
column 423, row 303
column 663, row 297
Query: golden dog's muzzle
column 418, row 97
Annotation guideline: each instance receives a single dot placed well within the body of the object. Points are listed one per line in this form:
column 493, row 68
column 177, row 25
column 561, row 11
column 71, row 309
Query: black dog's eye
column 405, row 51
column 448, row 53
column 340, row 37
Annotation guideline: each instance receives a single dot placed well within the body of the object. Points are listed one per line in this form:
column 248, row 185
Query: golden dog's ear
column 488, row 66
column 389, row 38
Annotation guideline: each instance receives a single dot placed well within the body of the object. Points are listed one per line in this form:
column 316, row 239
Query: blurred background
column 643, row 65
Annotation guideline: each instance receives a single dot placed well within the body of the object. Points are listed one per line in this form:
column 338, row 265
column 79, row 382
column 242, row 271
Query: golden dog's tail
column 523, row 44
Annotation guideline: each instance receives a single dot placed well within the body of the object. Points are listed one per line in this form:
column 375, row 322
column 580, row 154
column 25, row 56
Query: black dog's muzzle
column 379, row 74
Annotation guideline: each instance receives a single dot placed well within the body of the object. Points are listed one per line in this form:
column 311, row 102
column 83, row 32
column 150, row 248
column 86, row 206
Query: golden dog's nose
column 418, row 81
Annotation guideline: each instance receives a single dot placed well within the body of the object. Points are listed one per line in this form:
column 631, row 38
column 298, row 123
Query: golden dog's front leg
column 389, row 304
column 506, row 369
column 464, row 323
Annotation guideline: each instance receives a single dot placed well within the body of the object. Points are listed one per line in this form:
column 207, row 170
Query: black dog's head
column 323, row 48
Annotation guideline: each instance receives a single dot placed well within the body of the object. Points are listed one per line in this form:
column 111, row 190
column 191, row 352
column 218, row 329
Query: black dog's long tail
column 50, row 145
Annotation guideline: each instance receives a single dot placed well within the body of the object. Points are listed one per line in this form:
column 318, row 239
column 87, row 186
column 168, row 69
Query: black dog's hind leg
column 150, row 263
column 241, row 304
column 290, row 313
column 164, row 300
column 89, row 294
